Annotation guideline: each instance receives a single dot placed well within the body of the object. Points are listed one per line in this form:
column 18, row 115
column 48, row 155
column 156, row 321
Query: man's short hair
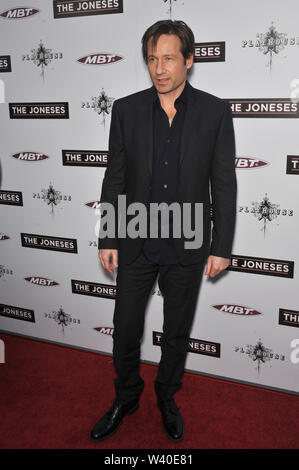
column 177, row 27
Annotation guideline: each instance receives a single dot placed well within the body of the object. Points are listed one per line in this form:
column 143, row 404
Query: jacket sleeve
column 223, row 187
column 114, row 181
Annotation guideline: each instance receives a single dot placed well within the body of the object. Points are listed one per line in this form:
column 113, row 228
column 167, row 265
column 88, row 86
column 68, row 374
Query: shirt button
column 165, row 186
column 166, row 162
column 168, row 140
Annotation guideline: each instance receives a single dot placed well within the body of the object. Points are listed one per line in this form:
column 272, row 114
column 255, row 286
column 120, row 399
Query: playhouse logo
column 270, row 43
column 62, row 318
column 101, row 104
column 51, row 197
column 265, row 212
column 42, row 57
column 259, row 354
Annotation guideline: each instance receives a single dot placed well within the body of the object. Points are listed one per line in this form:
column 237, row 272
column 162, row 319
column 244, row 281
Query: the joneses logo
column 259, row 354
column 50, row 110
column 42, row 56
column 47, row 242
column 11, row 198
column 5, row 63
column 266, row 266
column 101, row 104
column 292, row 165
column 18, row 313
column 265, row 212
column 85, row 158
column 209, row 51
column 198, row 346
column 62, row 318
column 51, row 197
column 270, row 43
column 69, row 8
column 95, row 289
column 264, row 107
column 288, row 317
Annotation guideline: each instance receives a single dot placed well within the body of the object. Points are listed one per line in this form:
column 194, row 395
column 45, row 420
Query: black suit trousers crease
column 179, row 285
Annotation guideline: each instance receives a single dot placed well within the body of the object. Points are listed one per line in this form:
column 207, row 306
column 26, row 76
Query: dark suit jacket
column 206, row 169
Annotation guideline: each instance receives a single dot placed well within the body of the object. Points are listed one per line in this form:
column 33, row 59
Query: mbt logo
column 2, row 352
column 41, row 281
column 247, row 162
column 236, row 309
column 93, row 204
column 102, row 58
column 30, row 156
column 105, row 330
column 18, row 13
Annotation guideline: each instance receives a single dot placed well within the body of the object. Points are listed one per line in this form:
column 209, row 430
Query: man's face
column 166, row 63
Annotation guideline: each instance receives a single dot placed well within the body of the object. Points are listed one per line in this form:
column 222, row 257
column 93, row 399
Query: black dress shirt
column 166, row 139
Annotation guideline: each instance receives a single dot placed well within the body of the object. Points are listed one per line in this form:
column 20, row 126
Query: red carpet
column 51, row 396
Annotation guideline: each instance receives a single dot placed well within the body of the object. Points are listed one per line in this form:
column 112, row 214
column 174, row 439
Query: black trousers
column 179, row 286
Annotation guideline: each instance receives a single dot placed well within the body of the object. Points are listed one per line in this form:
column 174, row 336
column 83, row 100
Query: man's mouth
column 162, row 81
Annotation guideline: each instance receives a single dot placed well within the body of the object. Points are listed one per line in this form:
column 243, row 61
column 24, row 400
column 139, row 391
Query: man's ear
column 191, row 61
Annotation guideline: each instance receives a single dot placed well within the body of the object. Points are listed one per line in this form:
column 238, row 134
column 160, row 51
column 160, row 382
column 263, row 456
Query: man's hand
column 215, row 265
column 104, row 257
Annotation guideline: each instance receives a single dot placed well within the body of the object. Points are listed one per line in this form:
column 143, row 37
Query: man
column 169, row 143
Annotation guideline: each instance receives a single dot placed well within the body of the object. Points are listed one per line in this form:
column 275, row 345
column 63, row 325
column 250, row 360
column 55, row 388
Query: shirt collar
column 183, row 96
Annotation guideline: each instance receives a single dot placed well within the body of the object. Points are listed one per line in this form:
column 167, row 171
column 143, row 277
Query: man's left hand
column 215, row 265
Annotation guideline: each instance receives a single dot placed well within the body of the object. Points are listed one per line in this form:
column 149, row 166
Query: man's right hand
column 104, row 257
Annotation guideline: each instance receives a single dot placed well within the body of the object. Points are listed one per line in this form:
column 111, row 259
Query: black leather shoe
column 173, row 423
column 110, row 422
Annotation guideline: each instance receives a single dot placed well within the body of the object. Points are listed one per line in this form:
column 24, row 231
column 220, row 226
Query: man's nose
column 160, row 66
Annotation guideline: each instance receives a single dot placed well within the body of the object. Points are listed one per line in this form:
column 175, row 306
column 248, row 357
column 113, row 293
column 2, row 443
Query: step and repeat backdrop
column 62, row 65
